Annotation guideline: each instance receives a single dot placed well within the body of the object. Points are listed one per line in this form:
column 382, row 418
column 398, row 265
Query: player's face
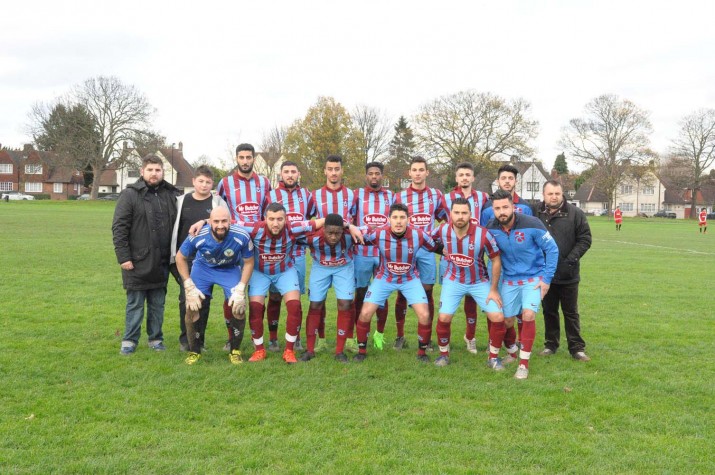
column 245, row 160
column 398, row 222
column 553, row 196
column 219, row 225
column 290, row 176
column 152, row 174
column 276, row 221
column 460, row 215
column 507, row 181
column 418, row 173
column 333, row 234
column 334, row 172
column 202, row 185
column 373, row 178
column 464, row 178
column 504, row 211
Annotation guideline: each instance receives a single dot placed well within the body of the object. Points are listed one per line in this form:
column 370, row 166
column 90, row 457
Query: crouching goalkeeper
column 219, row 248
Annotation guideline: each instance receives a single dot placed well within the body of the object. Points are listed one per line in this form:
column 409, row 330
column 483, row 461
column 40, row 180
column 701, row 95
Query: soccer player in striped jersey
column 425, row 206
column 371, row 210
column 333, row 198
column 299, row 206
column 399, row 245
column 528, row 256
column 332, row 251
column 703, row 221
column 477, row 199
column 220, row 248
column 465, row 244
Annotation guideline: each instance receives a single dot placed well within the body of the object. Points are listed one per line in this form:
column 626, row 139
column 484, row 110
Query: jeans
column 135, row 314
column 200, row 325
column 567, row 296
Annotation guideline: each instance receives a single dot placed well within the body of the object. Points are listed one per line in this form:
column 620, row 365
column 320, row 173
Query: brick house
column 34, row 172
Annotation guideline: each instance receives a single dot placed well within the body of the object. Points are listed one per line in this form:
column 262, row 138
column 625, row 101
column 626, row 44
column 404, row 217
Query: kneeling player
column 219, row 248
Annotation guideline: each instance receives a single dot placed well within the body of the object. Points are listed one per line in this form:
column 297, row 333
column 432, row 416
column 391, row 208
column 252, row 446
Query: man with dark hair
column 425, row 206
column 372, row 206
column 192, row 207
column 703, row 221
column 299, row 206
column 141, row 230
column 569, row 227
column 528, row 257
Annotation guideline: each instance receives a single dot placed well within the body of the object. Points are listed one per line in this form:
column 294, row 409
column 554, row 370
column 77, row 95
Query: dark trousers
column 565, row 295
column 200, row 325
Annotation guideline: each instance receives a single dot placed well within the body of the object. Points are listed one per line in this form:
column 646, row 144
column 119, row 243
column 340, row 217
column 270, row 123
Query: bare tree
column 272, row 148
column 695, row 145
column 376, row 129
column 612, row 136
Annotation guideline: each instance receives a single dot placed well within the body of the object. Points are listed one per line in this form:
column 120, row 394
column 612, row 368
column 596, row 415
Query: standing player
column 299, row 206
column 703, row 221
column 465, row 244
column 372, row 207
column 529, row 256
column 425, row 206
column 219, row 249
column 338, row 199
column 399, row 245
column 618, row 217
column 477, row 199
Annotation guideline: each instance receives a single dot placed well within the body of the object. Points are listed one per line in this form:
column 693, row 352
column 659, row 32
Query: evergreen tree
column 560, row 164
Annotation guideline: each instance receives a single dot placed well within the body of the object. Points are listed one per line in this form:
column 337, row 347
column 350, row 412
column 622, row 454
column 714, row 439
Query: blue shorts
column 364, row 269
column 380, row 290
column 427, row 266
column 300, row 268
column 283, row 282
column 453, row 291
column 516, row 297
column 205, row 277
column 342, row 279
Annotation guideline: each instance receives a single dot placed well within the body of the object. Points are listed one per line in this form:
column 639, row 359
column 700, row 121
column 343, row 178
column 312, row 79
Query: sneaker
column 273, row 346
column 183, row 347
column 400, row 343
column 509, row 359
column 351, row 345
column 289, row 357
column 321, row 345
column 471, row 345
column 430, row 347
column 341, row 358
column 192, row 358
column 495, row 364
column 359, row 358
column 235, row 357
column 580, row 356
column 423, row 358
column 127, row 350
column 442, row 361
column 547, row 352
column 258, row 355
column 522, row 372
column 298, row 346
column 227, row 346
column 157, row 345
column 307, row 356
column 378, row 340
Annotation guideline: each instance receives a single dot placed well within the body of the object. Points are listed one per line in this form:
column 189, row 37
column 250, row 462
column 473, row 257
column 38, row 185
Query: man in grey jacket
column 568, row 226
column 141, row 229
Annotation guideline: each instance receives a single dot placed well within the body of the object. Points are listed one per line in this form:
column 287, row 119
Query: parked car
column 599, row 212
column 83, row 197
column 16, row 195
column 109, row 197
column 711, row 215
column 665, row 214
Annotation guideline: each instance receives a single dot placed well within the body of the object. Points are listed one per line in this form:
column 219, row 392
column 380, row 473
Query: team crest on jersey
column 228, row 253
column 399, row 268
column 474, row 220
column 518, row 210
column 519, row 236
column 345, row 203
column 430, row 200
column 333, row 263
column 374, row 220
column 248, row 208
column 471, row 247
column 410, row 250
column 420, row 220
column 368, row 293
column 293, row 217
column 272, row 258
column 460, row 260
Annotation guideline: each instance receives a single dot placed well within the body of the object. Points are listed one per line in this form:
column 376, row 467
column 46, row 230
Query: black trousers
column 200, row 325
column 565, row 295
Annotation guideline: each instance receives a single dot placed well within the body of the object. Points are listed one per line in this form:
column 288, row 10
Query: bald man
column 217, row 250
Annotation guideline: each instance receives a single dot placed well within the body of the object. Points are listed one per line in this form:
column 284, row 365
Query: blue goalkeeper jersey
column 230, row 252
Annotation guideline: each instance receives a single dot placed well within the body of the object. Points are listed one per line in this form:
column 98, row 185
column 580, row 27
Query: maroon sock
column 345, row 320
column 509, row 336
column 519, row 325
column 382, row 318
column 444, row 329
column 273, row 314
column 470, row 312
column 496, row 337
column 353, row 321
column 363, row 329
column 321, row 326
column 255, row 320
column 311, row 328
column 227, row 315
column 358, row 308
column 293, row 321
column 400, row 313
column 424, row 333
column 528, row 333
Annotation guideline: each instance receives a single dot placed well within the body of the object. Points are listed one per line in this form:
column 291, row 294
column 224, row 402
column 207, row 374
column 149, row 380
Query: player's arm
column 193, row 295
column 355, row 233
column 496, row 275
column 182, row 265
column 551, row 253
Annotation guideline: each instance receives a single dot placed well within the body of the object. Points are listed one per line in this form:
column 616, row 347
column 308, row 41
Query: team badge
column 228, row 253
column 471, row 247
column 519, row 236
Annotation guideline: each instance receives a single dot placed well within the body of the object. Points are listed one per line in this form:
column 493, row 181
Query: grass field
column 72, row 404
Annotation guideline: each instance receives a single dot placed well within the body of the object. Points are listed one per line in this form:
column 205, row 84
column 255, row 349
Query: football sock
column 293, row 322
column 509, row 336
column 311, row 328
column 255, row 321
column 527, row 342
column 470, row 312
column 273, row 315
column 227, row 316
column 382, row 318
column 444, row 329
column 321, row 326
column 496, row 337
column 237, row 330
column 344, row 321
column 400, row 313
column 424, row 333
column 353, row 321
column 363, row 329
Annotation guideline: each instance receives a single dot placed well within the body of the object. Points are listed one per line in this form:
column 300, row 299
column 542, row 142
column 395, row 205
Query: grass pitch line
column 678, row 249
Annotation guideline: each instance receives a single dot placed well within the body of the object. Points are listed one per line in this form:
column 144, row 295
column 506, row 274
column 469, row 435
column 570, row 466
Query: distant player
column 618, row 217
column 703, row 221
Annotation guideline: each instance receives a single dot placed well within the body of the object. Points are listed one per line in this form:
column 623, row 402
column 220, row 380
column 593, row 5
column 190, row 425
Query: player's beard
column 461, row 225
column 248, row 171
column 219, row 233
column 504, row 219
column 375, row 186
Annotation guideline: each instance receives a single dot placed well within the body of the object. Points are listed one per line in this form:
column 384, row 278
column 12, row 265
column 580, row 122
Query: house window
column 5, row 186
column 133, row 173
column 647, row 207
column 57, row 188
column 33, row 187
column 648, row 190
column 5, row 167
column 626, row 189
column 33, row 169
column 571, row 193
column 626, row 206
column 532, row 186
column 386, row 182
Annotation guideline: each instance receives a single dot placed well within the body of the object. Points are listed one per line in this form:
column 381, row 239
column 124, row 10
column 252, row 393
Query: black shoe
column 307, row 356
column 340, row 357
column 400, row 343
column 359, row 358
column 423, row 358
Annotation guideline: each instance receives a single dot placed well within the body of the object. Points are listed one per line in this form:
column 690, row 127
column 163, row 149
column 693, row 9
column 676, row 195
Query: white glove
column 238, row 299
column 193, row 295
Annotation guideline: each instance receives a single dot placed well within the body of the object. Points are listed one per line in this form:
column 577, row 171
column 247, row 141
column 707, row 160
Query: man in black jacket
column 142, row 226
column 568, row 226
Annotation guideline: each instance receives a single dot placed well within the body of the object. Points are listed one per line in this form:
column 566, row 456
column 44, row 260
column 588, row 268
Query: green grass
column 71, row 404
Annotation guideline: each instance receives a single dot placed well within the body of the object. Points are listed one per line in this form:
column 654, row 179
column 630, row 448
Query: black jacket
column 141, row 229
column 570, row 229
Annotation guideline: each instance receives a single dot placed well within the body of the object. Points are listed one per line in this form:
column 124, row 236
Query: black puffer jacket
column 569, row 228
column 141, row 228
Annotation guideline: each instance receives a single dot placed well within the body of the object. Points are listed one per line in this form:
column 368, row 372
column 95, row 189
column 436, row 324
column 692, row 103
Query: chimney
column 181, row 145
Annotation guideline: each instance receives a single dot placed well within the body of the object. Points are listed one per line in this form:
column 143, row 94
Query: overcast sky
column 222, row 74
